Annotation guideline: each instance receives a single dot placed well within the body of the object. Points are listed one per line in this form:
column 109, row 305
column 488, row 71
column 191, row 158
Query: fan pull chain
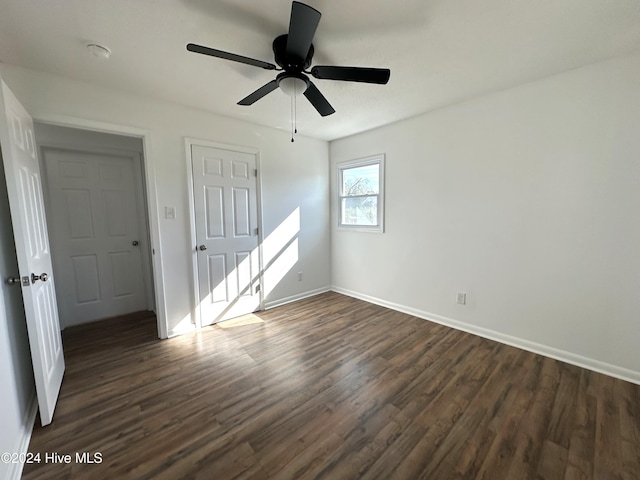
column 292, row 118
column 295, row 113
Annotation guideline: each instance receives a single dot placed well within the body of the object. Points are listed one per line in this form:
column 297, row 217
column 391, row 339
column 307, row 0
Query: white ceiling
column 439, row 51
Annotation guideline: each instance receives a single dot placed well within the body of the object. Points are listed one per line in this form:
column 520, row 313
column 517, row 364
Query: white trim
column 152, row 198
column 555, row 353
column 189, row 142
column 195, row 311
column 296, row 297
column 24, row 438
column 116, row 152
column 143, row 221
column 260, row 231
column 221, row 146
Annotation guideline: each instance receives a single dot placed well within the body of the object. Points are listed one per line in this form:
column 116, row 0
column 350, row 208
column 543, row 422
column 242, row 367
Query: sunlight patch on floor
column 249, row 319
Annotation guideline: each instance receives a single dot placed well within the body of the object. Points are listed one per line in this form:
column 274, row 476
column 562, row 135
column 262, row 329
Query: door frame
column 149, row 175
column 189, row 142
column 138, row 179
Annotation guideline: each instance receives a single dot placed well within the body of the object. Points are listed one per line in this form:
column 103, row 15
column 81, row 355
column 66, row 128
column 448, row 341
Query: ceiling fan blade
column 316, row 98
column 258, row 94
column 352, row 74
column 302, row 27
column 192, row 47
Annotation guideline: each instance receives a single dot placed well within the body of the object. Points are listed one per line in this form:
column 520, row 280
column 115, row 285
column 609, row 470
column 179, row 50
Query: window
column 360, row 194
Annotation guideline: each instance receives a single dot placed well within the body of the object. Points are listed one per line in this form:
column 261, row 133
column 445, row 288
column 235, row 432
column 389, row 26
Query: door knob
column 34, row 278
column 202, row 247
column 135, row 243
column 13, row 280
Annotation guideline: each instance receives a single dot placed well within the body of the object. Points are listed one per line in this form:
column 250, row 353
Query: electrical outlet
column 299, row 276
column 461, row 298
column 170, row 213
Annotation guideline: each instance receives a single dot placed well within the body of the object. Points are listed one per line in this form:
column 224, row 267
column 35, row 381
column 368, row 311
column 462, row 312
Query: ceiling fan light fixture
column 293, row 85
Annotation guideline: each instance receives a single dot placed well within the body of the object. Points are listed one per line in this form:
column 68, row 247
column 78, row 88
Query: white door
column 97, row 236
column 226, row 218
column 32, row 249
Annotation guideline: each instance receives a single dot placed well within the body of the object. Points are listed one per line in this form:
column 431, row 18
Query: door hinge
column 255, row 172
column 257, row 288
column 257, row 231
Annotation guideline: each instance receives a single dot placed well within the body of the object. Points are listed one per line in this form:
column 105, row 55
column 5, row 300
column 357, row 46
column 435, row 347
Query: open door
column 32, row 249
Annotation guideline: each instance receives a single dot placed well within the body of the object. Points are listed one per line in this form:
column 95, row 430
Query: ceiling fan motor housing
column 287, row 62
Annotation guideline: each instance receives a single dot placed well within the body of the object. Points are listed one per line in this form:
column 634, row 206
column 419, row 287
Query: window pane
column 360, row 211
column 362, row 180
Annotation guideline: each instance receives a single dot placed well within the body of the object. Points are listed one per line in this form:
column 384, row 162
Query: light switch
column 170, row 213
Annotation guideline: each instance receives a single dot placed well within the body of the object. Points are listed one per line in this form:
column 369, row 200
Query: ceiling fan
column 293, row 53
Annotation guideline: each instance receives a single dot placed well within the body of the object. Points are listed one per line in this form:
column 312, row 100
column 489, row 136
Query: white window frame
column 362, row 162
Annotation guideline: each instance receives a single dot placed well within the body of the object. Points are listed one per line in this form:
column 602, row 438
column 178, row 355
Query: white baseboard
column 564, row 356
column 22, row 444
column 294, row 298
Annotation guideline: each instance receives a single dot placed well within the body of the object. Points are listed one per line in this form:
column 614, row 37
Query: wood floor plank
column 629, row 409
column 562, row 418
column 330, row 387
column 553, row 460
column 582, row 443
column 524, row 411
column 608, row 449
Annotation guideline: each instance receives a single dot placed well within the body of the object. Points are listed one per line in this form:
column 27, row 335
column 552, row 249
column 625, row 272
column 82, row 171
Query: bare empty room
column 341, row 240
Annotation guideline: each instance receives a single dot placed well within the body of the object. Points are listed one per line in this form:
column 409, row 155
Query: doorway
column 96, row 202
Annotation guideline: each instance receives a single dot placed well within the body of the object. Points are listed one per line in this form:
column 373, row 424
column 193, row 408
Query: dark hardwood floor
column 335, row 388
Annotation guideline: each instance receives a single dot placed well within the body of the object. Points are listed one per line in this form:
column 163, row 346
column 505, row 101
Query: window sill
column 357, row 228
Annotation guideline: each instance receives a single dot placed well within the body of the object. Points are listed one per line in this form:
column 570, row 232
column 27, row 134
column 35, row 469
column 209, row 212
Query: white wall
column 17, row 388
column 527, row 200
column 293, row 175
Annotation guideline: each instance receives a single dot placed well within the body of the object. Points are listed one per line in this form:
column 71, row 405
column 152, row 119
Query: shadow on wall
column 279, row 255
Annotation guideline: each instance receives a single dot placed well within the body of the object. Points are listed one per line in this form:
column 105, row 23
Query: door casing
column 152, row 199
